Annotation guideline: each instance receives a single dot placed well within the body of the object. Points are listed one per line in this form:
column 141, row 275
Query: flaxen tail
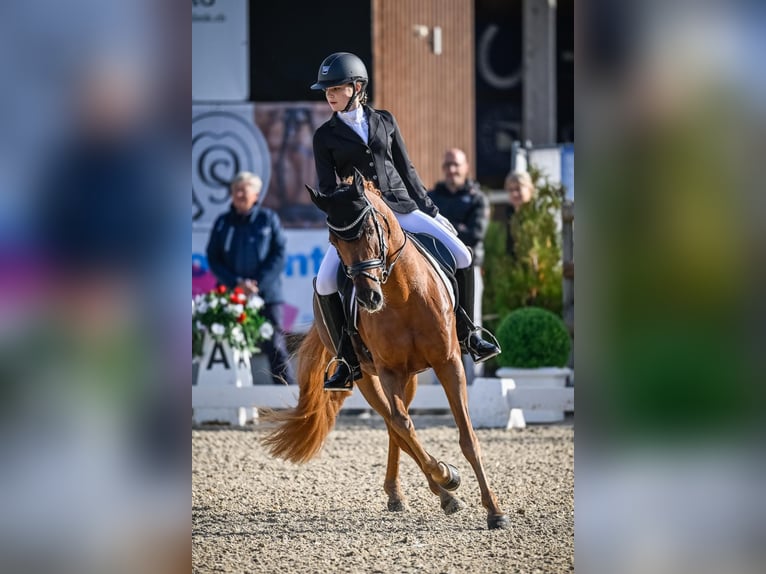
column 300, row 432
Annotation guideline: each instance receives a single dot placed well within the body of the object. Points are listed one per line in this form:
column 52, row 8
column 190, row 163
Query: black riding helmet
column 342, row 68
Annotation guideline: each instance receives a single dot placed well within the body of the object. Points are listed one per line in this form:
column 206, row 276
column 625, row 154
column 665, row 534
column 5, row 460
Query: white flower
column 236, row 310
column 202, row 307
column 237, row 334
column 200, row 326
column 217, row 329
column 255, row 302
column 266, row 330
column 214, row 303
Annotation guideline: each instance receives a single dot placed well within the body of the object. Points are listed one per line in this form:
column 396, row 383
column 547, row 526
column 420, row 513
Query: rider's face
column 338, row 96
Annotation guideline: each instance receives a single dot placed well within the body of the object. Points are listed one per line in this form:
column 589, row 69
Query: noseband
column 362, row 268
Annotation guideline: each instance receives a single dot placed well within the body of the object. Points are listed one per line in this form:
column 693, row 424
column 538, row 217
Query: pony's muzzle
column 370, row 299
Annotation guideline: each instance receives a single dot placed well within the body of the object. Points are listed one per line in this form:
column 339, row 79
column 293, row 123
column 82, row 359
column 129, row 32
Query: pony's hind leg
column 370, row 389
column 392, row 486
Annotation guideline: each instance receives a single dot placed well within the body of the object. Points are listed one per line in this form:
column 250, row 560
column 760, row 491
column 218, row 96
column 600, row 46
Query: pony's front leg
column 394, row 408
column 450, row 503
column 398, row 392
column 452, row 377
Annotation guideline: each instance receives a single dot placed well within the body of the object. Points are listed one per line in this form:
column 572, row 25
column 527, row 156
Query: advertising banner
column 225, row 140
column 220, row 50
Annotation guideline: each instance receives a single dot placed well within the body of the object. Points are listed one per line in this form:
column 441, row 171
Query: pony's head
column 359, row 230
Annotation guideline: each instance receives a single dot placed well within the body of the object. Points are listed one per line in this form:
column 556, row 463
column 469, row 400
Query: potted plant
column 536, row 347
column 227, row 327
column 229, row 318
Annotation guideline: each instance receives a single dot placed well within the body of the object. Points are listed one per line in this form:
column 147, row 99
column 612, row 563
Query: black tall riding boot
column 467, row 332
column 348, row 369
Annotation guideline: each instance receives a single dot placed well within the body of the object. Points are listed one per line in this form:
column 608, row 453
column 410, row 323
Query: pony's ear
column 359, row 181
column 317, row 198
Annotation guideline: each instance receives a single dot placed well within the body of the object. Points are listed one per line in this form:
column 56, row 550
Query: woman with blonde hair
column 520, row 190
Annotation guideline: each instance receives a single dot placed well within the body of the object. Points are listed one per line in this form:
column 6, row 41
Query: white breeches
column 414, row 222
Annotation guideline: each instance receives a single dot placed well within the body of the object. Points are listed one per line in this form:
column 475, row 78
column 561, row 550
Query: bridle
column 362, row 268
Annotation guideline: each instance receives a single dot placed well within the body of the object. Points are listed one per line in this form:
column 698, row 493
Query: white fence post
column 222, row 367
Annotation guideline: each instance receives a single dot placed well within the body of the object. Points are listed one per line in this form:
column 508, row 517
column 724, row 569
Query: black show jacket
column 338, row 150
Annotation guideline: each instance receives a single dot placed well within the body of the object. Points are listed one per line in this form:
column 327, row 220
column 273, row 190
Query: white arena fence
column 224, row 393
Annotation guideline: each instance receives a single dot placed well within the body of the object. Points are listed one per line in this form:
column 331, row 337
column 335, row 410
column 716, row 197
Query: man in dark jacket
column 461, row 201
column 247, row 250
column 466, row 207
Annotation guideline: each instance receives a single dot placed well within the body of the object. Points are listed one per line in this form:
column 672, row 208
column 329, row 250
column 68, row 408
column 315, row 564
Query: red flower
column 241, row 318
column 221, row 289
column 239, row 290
column 234, row 298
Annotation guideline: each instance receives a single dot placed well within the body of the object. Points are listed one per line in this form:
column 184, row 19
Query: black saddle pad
column 436, row 248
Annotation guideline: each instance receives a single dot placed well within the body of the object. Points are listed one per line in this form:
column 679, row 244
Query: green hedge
column 533, row 337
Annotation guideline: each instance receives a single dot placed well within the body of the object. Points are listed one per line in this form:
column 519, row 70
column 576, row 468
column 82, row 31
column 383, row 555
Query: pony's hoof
column 396, row 506
column 452, row 505
column 454, row 478
column 497, row 521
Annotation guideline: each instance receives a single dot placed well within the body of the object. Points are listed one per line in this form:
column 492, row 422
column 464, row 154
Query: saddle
column 435, row 252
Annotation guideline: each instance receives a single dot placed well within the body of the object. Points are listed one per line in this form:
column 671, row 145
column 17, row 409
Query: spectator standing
column 246, row 249
column 520, row 190
column 462, row 202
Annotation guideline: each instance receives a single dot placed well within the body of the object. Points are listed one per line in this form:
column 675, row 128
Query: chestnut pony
column 407, row 322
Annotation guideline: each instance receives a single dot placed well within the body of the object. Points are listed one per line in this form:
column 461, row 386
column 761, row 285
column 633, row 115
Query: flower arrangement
column 229, row 316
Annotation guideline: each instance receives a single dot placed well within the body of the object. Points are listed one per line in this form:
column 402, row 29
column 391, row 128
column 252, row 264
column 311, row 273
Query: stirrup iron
column 489, row 339
column 349, row 383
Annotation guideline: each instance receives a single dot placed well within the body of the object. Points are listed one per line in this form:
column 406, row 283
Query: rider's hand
column 446, row 223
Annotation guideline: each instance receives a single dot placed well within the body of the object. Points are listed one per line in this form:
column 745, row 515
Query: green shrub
column 533, row 337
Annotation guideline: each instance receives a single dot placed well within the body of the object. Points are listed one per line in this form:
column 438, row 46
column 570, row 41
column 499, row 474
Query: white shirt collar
column 355, row 116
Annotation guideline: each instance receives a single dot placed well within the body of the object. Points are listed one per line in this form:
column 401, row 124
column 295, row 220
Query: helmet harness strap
column 357, row 94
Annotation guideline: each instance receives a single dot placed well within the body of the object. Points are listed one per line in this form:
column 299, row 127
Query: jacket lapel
column 341, row 130
column 374, row 119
